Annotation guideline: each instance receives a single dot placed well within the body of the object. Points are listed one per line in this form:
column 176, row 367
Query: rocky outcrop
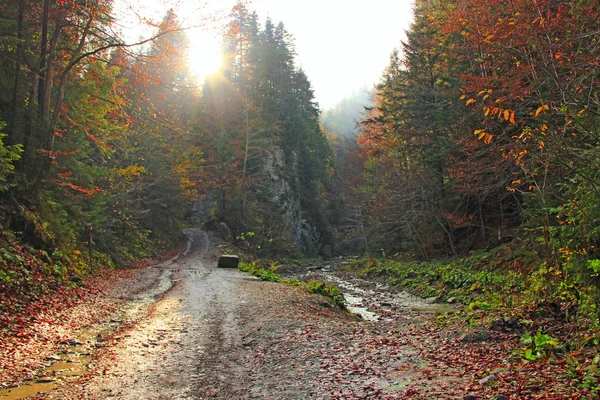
column 282, row 187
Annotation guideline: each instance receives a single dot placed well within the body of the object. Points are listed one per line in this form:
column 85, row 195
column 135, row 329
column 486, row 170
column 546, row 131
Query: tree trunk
column 45, row 94
column 481, row 220
column 15, row 134
column 43, row 71
column 247, row 122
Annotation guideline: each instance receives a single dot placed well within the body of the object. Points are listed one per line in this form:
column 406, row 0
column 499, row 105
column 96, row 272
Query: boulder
column 228, row 261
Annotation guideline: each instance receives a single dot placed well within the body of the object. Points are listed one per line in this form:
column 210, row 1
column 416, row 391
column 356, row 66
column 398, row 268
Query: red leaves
column 411, row 392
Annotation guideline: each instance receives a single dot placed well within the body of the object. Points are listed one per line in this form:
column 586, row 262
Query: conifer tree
column 262, row 108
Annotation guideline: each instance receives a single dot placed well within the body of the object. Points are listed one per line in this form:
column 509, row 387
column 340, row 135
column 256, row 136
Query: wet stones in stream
column 374, row 301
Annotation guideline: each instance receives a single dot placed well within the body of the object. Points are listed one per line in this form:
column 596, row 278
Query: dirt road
column 202, row 332
column 185, row 329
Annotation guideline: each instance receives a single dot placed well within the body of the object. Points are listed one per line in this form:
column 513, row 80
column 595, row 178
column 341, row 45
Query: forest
column 476, row 161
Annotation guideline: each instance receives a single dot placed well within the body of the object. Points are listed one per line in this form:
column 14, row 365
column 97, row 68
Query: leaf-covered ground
column 410, row 353
column 221, row 334
column 40, row 310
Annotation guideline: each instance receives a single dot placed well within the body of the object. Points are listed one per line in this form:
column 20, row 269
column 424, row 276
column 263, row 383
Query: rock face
column 228, row 261
column 282, row 187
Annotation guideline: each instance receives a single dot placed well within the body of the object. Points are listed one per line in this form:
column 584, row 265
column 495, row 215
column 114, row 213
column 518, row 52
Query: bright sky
column 342, row 45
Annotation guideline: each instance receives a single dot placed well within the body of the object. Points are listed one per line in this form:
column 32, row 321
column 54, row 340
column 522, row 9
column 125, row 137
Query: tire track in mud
column 187, row 346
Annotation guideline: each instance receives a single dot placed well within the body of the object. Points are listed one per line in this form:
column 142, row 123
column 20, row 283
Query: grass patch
column 314, row 286
column 480, row 278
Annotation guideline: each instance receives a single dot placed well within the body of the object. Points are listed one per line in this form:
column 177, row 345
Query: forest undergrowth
column 508, row 289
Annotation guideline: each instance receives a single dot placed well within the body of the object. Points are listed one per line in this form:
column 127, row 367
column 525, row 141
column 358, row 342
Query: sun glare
column 204, row 57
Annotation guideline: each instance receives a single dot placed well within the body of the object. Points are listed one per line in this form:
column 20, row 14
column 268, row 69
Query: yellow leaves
column 507, row 115
column 541, row 109
column 542, row 144
column 540, row 20
column 130, row 172
column 525, row 135
column 483, row 135
column 485, row 93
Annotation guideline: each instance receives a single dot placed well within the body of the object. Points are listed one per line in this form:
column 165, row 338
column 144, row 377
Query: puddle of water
column 73, row 360
column 357, row 291
column 73, row 367
column 68, row 365
column 28, row 390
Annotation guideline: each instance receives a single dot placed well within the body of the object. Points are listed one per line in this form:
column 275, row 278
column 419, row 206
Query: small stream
column 373, row 301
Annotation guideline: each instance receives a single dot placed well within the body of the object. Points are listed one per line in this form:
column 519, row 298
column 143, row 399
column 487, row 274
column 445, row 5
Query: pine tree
column 265, row 123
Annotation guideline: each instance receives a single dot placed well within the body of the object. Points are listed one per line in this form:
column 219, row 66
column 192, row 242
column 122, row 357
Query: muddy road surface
column 201, row 332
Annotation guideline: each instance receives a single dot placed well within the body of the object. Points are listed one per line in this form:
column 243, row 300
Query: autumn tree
column 531, row 85
column 409, row 136
column 85, row 132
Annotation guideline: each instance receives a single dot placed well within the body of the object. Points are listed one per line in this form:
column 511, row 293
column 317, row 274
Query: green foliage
column 594, row 266
column 330, row 291
column 266, row 275
column 484, row 280
column 479, row 305
column 539, row 345
column 8, row 156
column 313, row 286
